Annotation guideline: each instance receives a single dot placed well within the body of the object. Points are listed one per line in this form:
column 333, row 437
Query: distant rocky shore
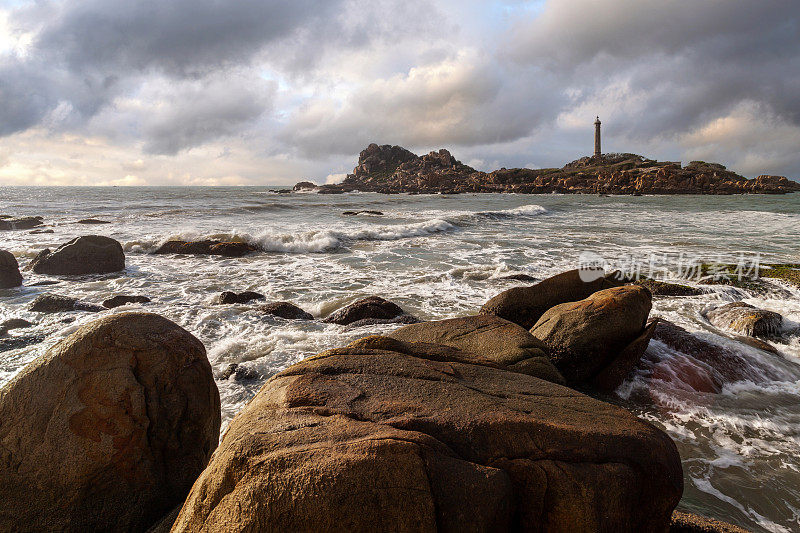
column 393, row 169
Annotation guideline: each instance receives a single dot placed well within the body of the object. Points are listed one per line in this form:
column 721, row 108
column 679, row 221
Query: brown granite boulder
column 285, row 310
column 587, row 336
column 108, row 429
column 370, row 307
column 207, row 247
column 229, row 297
column 90, row 254
column 9, row 271
column 124, row 299
column 524, row 305
column 490, row 337
column 745, row 319
column 57, row 303
column 375, row 440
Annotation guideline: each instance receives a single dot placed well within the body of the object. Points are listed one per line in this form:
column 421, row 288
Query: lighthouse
column 597, row 151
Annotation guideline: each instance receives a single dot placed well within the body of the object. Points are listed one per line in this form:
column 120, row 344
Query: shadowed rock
column 371, row 307
column 208, row 247
column 91, row 254
column 692, row 523
column 375, row 440
column 229, row 297
column 20, row 223
column 13, row 323
column 587, row 336
column 285, row 310
column 56, row 303
column 746, row 319
column 525, row 305
column 402, row 319
column 122, row 299
column 92, row 221
column 662, row 288
column 9, row 271
column 489, row 337
column 108, row 429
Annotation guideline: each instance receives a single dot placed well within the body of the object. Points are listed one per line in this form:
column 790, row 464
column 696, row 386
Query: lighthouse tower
column 597, row 151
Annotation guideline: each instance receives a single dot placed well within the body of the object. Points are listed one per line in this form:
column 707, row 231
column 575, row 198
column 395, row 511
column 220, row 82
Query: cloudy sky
column 254, row 92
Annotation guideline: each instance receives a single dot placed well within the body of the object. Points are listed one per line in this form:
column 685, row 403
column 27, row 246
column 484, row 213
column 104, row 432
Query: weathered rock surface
column 56, row 303
column 492, row 338
column 285, row 310
column 208, row 247
column 91, row 254
column 20, row 223
column 587, row 336
column 9, row 271
column 370, row 307
column 363, row 439
column 393, row 169
column 745, row 319
column 692, row 523
column 229, row 297
column 525, row 305
column 124, row 299
column 108, row 430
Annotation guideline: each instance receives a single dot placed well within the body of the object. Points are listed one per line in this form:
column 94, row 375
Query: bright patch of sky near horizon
column 198, row 92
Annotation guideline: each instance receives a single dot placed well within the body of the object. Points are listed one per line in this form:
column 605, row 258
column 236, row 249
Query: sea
column 442, row 256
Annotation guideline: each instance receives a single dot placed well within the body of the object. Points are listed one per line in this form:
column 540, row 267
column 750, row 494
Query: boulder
column 229, row 297
column 9, row 271
column 304, row 186
column 524, row 305
column 285, row 310
column 91, row 254
column 489, row 337
column 363, row 212
column 662, row 288
column 587, row 336
column 745, row 319
column 124, row 299
column 13, row 323
column 365, row 322
column 692, row 523
column 56, row 303
column 93, row 221
column 20, row 223
column 371, row 307
column 208, row 247
column 108, row 429
column 375, row 440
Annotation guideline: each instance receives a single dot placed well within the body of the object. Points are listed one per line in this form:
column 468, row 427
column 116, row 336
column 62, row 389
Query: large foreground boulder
column 9, row 271
column 746, row 319
column 489, row 337
column 525, row 305
column 90, row 254
column 108, row 430
column 374, row 440
column 587, row 336
column 371, row 307
column 208, row 247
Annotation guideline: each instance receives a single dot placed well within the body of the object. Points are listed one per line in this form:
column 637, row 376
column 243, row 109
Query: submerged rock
column 491, row 338
column 285, row 310
column 20, row 223
column 229, row 297
column 208, row 247
column 56, row 303
column 363, row 212
column 124, row 299
column 525, row 305
column 371, row 307
column 92, row 221
column 745, row 319
column 90, row 254
column 377, row 440
column 9, row 271
column 586, row 337
column 108, row 429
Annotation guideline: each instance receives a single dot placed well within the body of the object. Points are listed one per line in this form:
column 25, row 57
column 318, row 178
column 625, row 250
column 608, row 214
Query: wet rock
column 365, row 322
column 124, row 299
column 92, row 221
column 229, row 297
column 613, row 375
column 9, row 271
column 241, row 373
column 489, row 337
column 517, row 277
column 20, row 223
column 45, row 283
column 661, row 288
column 108, row 429
column 586, row 337
column 285, row 310
column 373, row 440
column 15, row 343
column 208, row 247
column 371, row 307
column 56, row 303
column 13, row 323
column 305, row 186
column 90, row 254
column 41, row 231
column 745, row 319
column 692, row 523
column 525, row 305
column 364, row 212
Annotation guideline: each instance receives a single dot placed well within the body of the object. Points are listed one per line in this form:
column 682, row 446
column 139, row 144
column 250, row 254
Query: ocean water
column 444, row 256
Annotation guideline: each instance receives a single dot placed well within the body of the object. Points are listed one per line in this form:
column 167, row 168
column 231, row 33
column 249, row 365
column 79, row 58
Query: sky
column 246, row 92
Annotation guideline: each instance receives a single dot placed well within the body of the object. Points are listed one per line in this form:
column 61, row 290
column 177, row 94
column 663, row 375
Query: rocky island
column 393, row 169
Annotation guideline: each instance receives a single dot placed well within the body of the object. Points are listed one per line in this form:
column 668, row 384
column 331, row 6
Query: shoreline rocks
column 56, row 303
column 285, row 310
column 8, row 223
column 207, row 247
column 745, row 319
column 372, row 307
column 124, row 299
column 10, row 275
column 228, row 297
column 90, row 254
column 108, row 429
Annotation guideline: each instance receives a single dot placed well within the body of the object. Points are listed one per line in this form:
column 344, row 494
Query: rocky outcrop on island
column 10, row 276
column 90, row 254
column 393, row 169
column 108, row 430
